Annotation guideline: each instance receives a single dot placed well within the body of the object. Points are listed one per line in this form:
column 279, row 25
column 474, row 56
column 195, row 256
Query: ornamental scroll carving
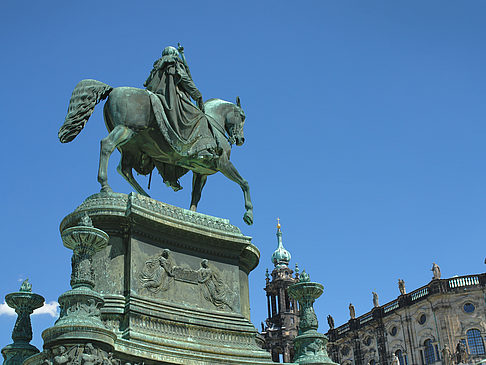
column 159, row 272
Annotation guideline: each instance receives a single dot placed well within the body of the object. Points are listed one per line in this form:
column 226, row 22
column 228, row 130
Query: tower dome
column 281, row 256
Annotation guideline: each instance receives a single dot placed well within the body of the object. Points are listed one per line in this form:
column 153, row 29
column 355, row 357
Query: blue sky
column 365, row 133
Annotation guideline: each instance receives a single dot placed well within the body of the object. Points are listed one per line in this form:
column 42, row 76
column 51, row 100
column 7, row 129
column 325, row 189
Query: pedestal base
column 174, row 283
column 16, row 353
column 310, row 348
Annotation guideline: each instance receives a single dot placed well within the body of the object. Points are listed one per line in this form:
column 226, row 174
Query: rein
column 214, row 123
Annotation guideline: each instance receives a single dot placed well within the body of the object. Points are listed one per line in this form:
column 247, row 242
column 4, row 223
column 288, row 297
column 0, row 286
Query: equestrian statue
column 160, row 127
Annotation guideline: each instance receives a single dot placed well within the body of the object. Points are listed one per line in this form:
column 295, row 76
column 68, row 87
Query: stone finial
column 26, row 287
column 304, row 277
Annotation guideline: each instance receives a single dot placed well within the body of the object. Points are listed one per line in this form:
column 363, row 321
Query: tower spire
column 281, row 256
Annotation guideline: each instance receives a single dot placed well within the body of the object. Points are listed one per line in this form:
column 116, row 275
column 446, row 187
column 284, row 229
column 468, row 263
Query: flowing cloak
column 184, row 126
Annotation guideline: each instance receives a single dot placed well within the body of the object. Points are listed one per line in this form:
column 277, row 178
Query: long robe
column 185, row 127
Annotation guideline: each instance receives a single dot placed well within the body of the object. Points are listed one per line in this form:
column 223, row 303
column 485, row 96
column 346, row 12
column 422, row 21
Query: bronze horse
column 130, row 120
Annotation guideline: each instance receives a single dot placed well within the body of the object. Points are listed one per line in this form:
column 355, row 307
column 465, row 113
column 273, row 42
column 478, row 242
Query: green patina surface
column 153, row 283
column 310, row 345
column 24, row 302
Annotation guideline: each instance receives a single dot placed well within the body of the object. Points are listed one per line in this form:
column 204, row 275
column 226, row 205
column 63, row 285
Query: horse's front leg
column 198, row 182
column 229, row 170
column 116, row 138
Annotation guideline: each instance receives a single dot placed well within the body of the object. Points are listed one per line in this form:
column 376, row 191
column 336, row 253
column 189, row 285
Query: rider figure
column 184, row 125
column 170, row 58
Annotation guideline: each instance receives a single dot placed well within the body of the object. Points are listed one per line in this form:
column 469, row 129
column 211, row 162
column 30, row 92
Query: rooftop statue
column 436, row 271
column 375, row 300
column 401, row 287
column 352, row 311
column 161, row 128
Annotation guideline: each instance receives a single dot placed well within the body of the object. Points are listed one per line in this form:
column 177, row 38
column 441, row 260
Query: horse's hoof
column 106, row 189
column 193, row 208
column 248, row 218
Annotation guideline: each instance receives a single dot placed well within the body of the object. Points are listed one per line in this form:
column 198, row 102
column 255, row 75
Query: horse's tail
column 86, row 95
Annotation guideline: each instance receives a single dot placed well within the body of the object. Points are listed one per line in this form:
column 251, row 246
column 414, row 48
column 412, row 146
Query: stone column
column 24, row 302
column 310, row 345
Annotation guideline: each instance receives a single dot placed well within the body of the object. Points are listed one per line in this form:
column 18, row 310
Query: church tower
column 281, row 326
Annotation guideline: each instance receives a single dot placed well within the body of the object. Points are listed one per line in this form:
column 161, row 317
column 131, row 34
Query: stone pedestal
column 310, row 345
column 174, row 284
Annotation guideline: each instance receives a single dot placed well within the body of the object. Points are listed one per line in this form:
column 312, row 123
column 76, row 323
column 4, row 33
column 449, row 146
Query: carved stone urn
column 24, row 302
column 310, row 345
column 80, row 317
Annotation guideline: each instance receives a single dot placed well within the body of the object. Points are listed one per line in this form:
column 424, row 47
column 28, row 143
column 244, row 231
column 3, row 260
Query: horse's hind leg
column 198, row 182
column 125, row 169
column 117, row 137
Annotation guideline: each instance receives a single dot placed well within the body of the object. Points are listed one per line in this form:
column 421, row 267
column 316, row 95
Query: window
column 422, row 319
column 475, row 342
column 401, row 358
column 393, row 331
column 372, row 362
column 367, row 341
column 429, row 352
column 469, row 308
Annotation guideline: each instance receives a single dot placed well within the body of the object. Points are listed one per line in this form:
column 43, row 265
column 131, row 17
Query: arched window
column 475, row 342
column 429, row 352
column 401, row 357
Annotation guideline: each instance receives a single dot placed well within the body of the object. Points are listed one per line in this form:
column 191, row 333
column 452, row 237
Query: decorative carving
column 157, row 273
column 182, row 332
column 160, row 270
column 311, row 347
column 214, row 289
column 81, row 355
column 136, row 200
column 89, row 309
column 80, row 307
column 85, row 241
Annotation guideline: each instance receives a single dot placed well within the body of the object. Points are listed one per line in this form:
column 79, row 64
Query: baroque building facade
column 441, row 322
column 281, row 326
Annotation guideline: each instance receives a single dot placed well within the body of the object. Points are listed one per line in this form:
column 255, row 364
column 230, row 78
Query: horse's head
column 235, row 120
